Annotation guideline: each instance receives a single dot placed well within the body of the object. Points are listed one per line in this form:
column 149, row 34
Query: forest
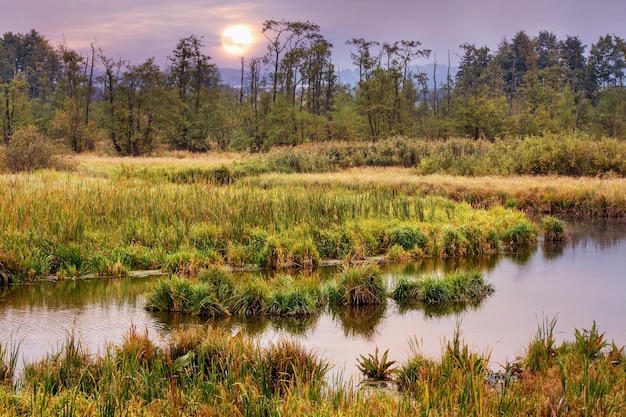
column 530, row 86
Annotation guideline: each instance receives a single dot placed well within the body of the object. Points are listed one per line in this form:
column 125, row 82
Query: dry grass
column 538, row 194
column 91, row 162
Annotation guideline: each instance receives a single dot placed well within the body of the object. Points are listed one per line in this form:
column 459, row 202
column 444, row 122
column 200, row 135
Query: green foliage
column 376, row 368
column 408, row 238
column 29, row 150
column 292, row 302
column 521, row 236
column 541, row 352
column 360, row 285
column 553, row 229
column 460, row 287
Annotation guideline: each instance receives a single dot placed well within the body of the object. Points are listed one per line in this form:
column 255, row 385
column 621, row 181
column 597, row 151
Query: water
column 579, row 282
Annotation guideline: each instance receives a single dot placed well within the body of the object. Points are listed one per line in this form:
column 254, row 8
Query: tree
column 195, row 79
column 71, row 120
column 285, row 38
column 32, row 58
column 14, row 107
column 145, row 112
column 363, row 58
column 191, row 71
column 608, row 62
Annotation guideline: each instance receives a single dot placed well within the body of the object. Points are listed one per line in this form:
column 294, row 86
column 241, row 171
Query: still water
column 581, row 281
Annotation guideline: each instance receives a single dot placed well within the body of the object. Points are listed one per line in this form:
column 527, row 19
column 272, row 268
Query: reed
column 8, row 362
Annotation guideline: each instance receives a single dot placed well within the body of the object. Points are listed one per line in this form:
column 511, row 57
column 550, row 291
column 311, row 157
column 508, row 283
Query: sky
column 135, row 30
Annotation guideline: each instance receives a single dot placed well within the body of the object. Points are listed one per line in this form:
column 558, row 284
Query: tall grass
column 359, row 285
column 108, row 218
column 201, row 370
column 69, row 224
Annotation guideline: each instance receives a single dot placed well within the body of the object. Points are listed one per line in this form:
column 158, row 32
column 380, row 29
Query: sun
column 237, row 39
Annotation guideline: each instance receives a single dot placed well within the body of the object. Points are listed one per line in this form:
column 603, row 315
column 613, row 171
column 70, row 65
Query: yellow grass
column 544, row 194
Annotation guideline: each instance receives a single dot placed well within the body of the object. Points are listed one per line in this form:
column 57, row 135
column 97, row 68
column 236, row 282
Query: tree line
column 291, row 95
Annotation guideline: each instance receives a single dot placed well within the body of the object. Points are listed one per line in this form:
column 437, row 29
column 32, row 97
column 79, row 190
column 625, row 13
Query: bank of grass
column 70, row 224
column 200, row 370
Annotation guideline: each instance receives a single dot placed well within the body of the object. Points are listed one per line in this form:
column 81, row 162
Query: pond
column 579, row 282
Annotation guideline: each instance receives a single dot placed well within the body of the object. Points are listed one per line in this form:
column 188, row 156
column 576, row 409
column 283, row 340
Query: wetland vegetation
column 305, row 173
column 109, row 218
column 202, row 370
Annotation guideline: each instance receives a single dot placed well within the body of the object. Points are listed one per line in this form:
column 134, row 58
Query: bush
column 29, row 150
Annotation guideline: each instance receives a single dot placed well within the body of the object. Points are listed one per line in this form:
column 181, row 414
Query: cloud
column 140, row 29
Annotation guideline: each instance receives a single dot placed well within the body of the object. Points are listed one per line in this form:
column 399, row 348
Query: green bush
column 29, row 150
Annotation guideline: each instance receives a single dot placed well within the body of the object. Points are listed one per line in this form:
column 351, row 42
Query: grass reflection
column 359, row 321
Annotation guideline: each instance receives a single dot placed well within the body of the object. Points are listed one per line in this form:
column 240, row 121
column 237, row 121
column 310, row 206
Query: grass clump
column 460, row 287
column 216, row 294
column 522, row 235
column 359, row 285
column 553, row 229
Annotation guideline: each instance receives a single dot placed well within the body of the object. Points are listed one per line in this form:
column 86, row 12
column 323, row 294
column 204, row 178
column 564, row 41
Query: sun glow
column 237, row 39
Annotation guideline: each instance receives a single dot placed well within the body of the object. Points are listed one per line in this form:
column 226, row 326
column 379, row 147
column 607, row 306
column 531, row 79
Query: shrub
column 29, row 150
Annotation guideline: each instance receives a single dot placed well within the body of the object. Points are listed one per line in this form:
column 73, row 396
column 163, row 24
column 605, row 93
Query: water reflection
column 580, row 280
column 439, row 310
column 359, row 321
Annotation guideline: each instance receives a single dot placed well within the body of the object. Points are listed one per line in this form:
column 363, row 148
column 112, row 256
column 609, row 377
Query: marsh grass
column 553, row 229
column 541, row 351
column 203, row 370
column 73, row 224
column 217, row 294
column 459, row 287
column 359, row 285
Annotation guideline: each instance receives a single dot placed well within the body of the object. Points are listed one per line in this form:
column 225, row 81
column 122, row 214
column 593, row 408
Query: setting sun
column 237, row 39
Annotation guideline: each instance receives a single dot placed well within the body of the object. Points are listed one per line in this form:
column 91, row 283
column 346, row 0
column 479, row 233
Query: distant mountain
column 350, row 76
